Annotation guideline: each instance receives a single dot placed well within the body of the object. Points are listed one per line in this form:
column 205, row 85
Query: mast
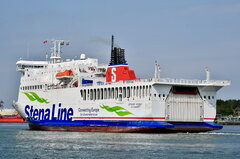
column 207, row 74
column 112, row 52
column 112, row 44
column 56, row 49
column 157, row 71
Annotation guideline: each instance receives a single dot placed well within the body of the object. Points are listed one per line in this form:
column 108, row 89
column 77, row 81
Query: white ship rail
column 169, row 81
column 151, row 81
column 188, row 82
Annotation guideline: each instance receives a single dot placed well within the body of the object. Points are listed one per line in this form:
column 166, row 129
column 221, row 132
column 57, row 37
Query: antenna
column 207, row 74
column 157, row 71
column 112, row 43
column 46, row 56
column 112, row 51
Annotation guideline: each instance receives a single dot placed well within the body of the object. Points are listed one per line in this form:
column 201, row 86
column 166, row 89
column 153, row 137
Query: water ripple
column 17, row 141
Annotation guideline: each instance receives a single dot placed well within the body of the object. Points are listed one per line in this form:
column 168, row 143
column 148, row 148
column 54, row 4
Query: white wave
column 220, row 133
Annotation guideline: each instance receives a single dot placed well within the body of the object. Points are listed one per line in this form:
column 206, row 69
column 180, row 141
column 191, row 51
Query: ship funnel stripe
column 32, row 96
column 120, row 111
column 122, row 64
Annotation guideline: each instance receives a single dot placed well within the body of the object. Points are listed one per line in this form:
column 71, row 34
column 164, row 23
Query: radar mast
column 56, row 49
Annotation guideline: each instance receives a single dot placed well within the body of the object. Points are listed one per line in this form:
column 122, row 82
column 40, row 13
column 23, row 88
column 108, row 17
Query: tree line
column 227, row 107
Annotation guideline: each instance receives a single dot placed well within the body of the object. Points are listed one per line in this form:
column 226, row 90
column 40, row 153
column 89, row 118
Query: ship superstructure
column 83, row 95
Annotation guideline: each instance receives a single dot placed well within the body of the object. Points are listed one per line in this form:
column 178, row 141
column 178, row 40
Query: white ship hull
column 158, row 110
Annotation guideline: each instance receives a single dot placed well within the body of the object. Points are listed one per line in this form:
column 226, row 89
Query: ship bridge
column 23, row 64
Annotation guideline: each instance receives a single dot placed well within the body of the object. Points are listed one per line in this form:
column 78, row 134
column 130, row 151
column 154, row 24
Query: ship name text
column 54, row 113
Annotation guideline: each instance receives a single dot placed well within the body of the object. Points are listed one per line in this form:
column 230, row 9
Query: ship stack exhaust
column 118, row 69
column 117, row 55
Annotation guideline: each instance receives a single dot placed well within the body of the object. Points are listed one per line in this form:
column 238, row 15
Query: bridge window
column 124, row 92
column 84, row 94
column 101, row 93
column 116, row 92
column 150, row 89
column 137, row 91
column 91, row 94
column 98, row 94
column 109, row 93
column 128, row 92
column 105, row 93
column 95, row 94
column 81, row 93
column 112, row 93
column 134, row 93
column 146, row 90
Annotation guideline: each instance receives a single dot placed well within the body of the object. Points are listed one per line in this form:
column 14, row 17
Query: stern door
column 184, row 108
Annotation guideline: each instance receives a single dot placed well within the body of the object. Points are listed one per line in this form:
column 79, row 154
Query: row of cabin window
column 209, row 97
column 159, row 95
column 30, row 66
column 115, row 93
column 31, row 87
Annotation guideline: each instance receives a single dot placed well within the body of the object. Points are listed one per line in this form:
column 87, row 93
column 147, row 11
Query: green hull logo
column 120, row 111
column 32, row 96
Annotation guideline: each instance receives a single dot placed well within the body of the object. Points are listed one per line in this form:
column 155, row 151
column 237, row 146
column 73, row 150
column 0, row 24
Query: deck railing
column 169, row 81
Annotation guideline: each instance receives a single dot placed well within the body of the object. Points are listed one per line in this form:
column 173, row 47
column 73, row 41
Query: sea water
column 17, row 141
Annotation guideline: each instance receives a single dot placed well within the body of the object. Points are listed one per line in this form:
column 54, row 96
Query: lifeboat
column 64, row 74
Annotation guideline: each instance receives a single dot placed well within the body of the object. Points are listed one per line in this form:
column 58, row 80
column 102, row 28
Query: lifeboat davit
column 65, row 74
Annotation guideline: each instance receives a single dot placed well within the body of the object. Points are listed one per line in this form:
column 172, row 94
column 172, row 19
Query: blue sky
column 183, row 36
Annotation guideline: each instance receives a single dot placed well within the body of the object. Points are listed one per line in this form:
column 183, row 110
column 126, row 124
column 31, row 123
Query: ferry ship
column 83, row 95
column 10, row 116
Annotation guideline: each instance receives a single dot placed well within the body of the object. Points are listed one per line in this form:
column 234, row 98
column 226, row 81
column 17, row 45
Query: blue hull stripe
column 197, row 125
column 127, row 123
column 122, row 123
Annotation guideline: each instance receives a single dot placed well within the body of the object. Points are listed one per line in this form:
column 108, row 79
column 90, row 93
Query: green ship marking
column 120, row 111
column 32, row 96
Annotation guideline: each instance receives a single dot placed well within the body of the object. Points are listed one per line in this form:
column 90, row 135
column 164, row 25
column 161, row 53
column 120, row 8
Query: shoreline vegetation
column 228, row 107
column 228, row 112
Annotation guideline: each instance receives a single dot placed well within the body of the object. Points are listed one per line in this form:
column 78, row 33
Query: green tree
column 226, row 107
